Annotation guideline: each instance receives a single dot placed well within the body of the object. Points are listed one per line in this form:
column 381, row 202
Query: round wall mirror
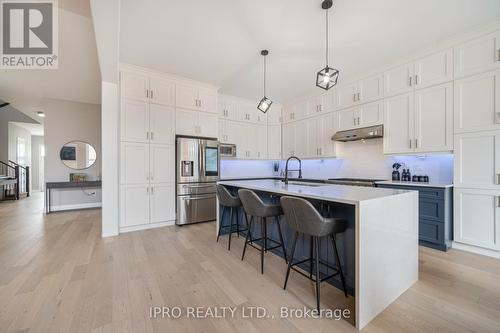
column 78, row 155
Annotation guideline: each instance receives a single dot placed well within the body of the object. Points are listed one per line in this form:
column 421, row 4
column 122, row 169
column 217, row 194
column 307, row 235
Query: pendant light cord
column 264, row 76
column 326, row 34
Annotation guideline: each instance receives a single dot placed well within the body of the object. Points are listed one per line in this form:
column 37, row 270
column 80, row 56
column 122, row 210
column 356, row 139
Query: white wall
column 245, row 169
column 67, row 121
column 36, row 182
column 19, row 132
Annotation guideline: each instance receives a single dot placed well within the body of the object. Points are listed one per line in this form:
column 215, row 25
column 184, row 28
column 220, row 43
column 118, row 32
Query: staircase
column 14, row 181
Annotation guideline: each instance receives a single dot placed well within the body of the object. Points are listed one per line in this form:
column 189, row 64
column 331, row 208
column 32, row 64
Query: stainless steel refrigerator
column 197, row 168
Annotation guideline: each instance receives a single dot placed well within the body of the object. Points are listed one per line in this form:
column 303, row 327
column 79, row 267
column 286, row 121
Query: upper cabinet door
column 208, row 125
column 398, row 124
column 315, row 105
column 228, row 108
column 326, row 128
column 312, row 143
column 477, row 102
column 207, row 100
column 134, row 86
column 274, row 114
column 370, row 114
column 289, row 139
column 186, row 96
column 134, row 163
column 299, row 110
column 398, row 80
column 477, row 160
column 162, row 91
column 346, row 96
column 434, row 118
column 186, row 122
column 434, row 69
column 274, row 141
column 162, row 124
column 371, row 89
column 477, row 55
column 134, row 121
column 162, row 166
column 346, row 119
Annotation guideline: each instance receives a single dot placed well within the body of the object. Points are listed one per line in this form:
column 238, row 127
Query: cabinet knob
column 410, row 81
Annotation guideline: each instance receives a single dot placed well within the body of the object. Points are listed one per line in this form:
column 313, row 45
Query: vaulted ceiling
column 218, row 41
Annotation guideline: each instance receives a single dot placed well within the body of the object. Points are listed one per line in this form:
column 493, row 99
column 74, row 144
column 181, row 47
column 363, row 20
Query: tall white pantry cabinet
column 150, row 107
column 477, row 143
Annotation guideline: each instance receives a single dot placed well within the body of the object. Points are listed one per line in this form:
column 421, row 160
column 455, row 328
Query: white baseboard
column 475, row 249
column 58, row 208
column 147, row 226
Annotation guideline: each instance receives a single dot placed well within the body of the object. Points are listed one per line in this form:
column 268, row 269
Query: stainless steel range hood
column 365, row 133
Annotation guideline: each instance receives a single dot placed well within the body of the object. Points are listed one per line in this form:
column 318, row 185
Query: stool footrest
column 251, row 241
column 335, row 269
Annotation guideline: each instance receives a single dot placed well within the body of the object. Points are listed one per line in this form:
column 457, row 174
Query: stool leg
column 248, row 226
column 318, row 279
column 281, row 238
column 291, row 258
column 237, row 222
column 220, row 222
column 338, row 264
column 263, row 236
column 311, row 261
column 230, row 228
column 265, row 233
column 246, row 238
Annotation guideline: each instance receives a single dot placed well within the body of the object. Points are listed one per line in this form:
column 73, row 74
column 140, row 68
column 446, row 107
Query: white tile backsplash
column 356, row 160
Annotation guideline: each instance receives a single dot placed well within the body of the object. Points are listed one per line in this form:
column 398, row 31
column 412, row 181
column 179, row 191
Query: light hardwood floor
column 58, row 275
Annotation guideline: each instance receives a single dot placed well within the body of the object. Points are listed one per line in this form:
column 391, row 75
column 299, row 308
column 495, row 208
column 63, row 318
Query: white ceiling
column 219, row 41
column 77, row 79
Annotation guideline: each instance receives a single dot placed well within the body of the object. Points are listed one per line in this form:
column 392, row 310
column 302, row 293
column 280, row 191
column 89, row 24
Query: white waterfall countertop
column 318, row 191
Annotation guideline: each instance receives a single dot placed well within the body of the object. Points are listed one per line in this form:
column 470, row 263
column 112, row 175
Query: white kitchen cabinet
column 370, row 89
column 161, row 166
column 162, row 124
column 258, row 150
column 134, row 163
column 477, row 102
column 370, row 114
column 477, row 160
column 346, row 95
column 228, row 108
column 364, row 115
column 433, row 69
column 274, row 115
column 196, row 123
column 398, row 80
column 208, row 125
column 134, row 86
column 162, row 202
column 207, row 100
column 301, row 138
column 162, row 91
column 319, row 132
column 434, row 119
column 196, row 98
column 134, row 205
column 295, row 111
column 186, row 122
column 477, row 217
column 478, row 55
column 289, row 139
column 399, row 124
column 321, row 103
column 274, row 142
column 134, row 121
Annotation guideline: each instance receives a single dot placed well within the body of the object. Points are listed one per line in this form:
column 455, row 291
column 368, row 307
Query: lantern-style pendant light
column 327, row 77
column 265, row 102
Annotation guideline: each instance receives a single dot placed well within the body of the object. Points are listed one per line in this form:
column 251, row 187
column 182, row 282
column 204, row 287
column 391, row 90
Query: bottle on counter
column 404, row 175
column 415, row 178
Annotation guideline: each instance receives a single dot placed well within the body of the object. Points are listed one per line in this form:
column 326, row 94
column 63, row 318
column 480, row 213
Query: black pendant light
column 265, row 103
column 327, row 77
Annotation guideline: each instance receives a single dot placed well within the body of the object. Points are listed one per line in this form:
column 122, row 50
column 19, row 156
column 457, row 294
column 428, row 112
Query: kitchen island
column 379, row 248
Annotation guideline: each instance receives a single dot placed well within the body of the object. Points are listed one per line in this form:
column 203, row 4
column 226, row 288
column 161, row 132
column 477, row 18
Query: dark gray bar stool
column 233, row 203
column 303, row 218
column 256, row 208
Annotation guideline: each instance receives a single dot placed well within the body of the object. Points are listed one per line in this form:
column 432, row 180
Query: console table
column 61, row 185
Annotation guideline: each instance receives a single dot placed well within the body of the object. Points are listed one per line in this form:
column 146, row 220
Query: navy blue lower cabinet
column 435, row 205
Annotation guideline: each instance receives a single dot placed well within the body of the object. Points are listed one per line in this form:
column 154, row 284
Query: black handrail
column 7, row 165
column 16, row 164
column 17, row 176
